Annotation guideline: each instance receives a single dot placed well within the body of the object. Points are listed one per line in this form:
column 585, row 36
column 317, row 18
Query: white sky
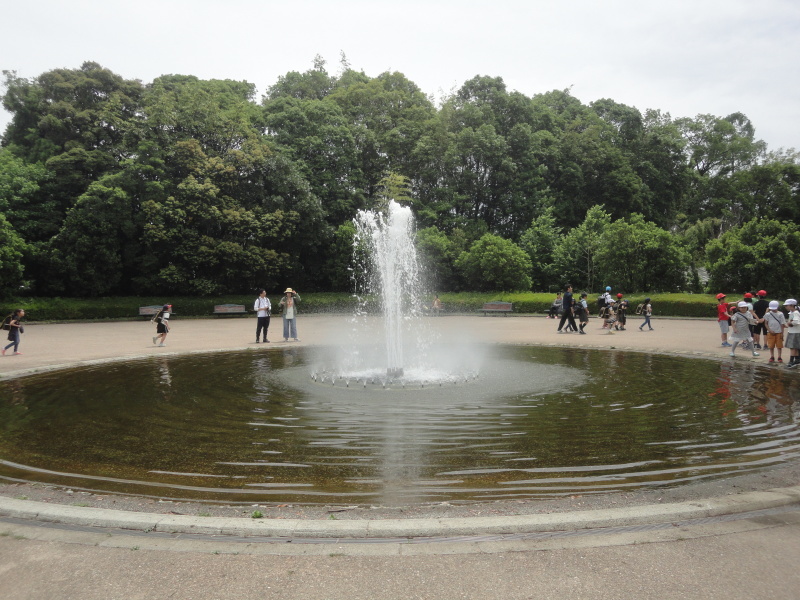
column 683, row 57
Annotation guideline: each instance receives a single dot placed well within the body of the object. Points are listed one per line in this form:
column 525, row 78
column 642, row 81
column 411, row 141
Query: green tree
column 540, row 241
column 12, row 248
column 493, row 263
column 205, row 242
column 576, row 255
column 438, row 254
column 637, row 255
column 762, row 253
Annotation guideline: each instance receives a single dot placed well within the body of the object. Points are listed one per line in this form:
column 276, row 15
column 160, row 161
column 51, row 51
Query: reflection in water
column 254, row 426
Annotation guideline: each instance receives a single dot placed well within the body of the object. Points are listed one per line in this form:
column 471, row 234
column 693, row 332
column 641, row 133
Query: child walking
column 775, row 323
column 583, row 313
column 162, row 325
column 740, row 324
column 14, row 325
column 647, row 312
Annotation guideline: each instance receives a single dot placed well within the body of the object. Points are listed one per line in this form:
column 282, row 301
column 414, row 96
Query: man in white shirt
column 263, row 309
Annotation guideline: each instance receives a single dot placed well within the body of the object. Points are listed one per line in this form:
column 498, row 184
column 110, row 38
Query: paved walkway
column 685, row 550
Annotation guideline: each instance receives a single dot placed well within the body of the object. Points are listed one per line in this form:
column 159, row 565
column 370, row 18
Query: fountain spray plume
column 394, row 272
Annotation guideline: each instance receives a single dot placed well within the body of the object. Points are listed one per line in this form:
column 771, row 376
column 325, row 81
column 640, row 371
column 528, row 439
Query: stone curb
column 400, row 528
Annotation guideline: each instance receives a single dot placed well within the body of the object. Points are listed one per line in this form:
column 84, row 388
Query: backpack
column 7, row 323
column 639, row 309
column 601, row 301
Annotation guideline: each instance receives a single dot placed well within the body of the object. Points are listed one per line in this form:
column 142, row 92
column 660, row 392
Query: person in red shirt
column 723, row 318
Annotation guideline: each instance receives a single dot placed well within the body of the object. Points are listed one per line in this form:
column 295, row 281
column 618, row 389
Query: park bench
column 497, row 307
column 229, row 309
column 149, row 311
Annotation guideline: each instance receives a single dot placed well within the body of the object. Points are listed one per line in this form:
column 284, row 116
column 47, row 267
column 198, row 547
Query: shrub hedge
column 72, row 309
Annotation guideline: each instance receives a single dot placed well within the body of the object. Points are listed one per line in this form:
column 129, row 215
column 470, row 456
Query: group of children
column 613, row 311
column 744, row 322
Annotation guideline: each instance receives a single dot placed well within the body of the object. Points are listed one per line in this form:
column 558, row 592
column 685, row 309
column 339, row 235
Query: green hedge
column 671, row 305
column 72, row 309
column 75, row 309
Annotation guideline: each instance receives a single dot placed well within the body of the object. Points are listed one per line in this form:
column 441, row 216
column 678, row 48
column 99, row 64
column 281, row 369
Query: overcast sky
column 683, row 57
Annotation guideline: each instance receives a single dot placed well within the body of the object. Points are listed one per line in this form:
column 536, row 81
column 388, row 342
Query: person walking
column 162, row 325
column 741, row 321
column 568, row 302
column 289, row 305
column 647, row 312
column 263, row 308
column 622, row 312
column 723, row 319
column 13, row 323
column 583, row 313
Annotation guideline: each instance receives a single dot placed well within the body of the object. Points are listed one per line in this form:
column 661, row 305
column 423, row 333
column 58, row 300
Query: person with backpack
column 622, row 312
column 13, row 324
column 162, row 325
column 603, row 301
column 582, row 310
column 646, row 312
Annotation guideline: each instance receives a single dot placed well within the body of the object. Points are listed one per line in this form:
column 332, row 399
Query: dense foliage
column 185, row 186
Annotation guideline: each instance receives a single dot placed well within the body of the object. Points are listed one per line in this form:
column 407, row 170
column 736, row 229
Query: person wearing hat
column 289, row 305
column 793, row 329
column 611, row 316
column 622, row 312
column 760, row 308
column 582, row 311
column 723, row 319
column 775, row 323
column 647, row 312
column 161, row 319
column 741, row 321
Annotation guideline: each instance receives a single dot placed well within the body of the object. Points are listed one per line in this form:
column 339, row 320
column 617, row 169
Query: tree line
column 110, row 186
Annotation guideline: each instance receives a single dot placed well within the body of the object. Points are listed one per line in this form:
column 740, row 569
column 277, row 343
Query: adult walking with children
column 568, row 303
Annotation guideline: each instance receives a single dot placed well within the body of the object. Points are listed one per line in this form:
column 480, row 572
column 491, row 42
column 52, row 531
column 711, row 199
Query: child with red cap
column 723, row 319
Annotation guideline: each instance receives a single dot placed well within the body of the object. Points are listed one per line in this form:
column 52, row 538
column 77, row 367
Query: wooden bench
column 149, row 311
column 229, row 309
column 497, row 307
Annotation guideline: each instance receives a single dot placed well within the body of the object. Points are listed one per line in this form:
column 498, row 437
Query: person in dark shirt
column 567, row 302
column 760, row 307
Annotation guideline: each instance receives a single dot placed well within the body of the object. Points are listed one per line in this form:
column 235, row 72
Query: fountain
column 388, row 240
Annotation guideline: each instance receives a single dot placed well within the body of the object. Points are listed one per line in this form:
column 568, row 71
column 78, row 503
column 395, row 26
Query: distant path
column 47, row 346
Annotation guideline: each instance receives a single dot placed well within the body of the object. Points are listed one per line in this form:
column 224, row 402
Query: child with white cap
column 793, row 337
column 740, row 324
column 775, row 323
